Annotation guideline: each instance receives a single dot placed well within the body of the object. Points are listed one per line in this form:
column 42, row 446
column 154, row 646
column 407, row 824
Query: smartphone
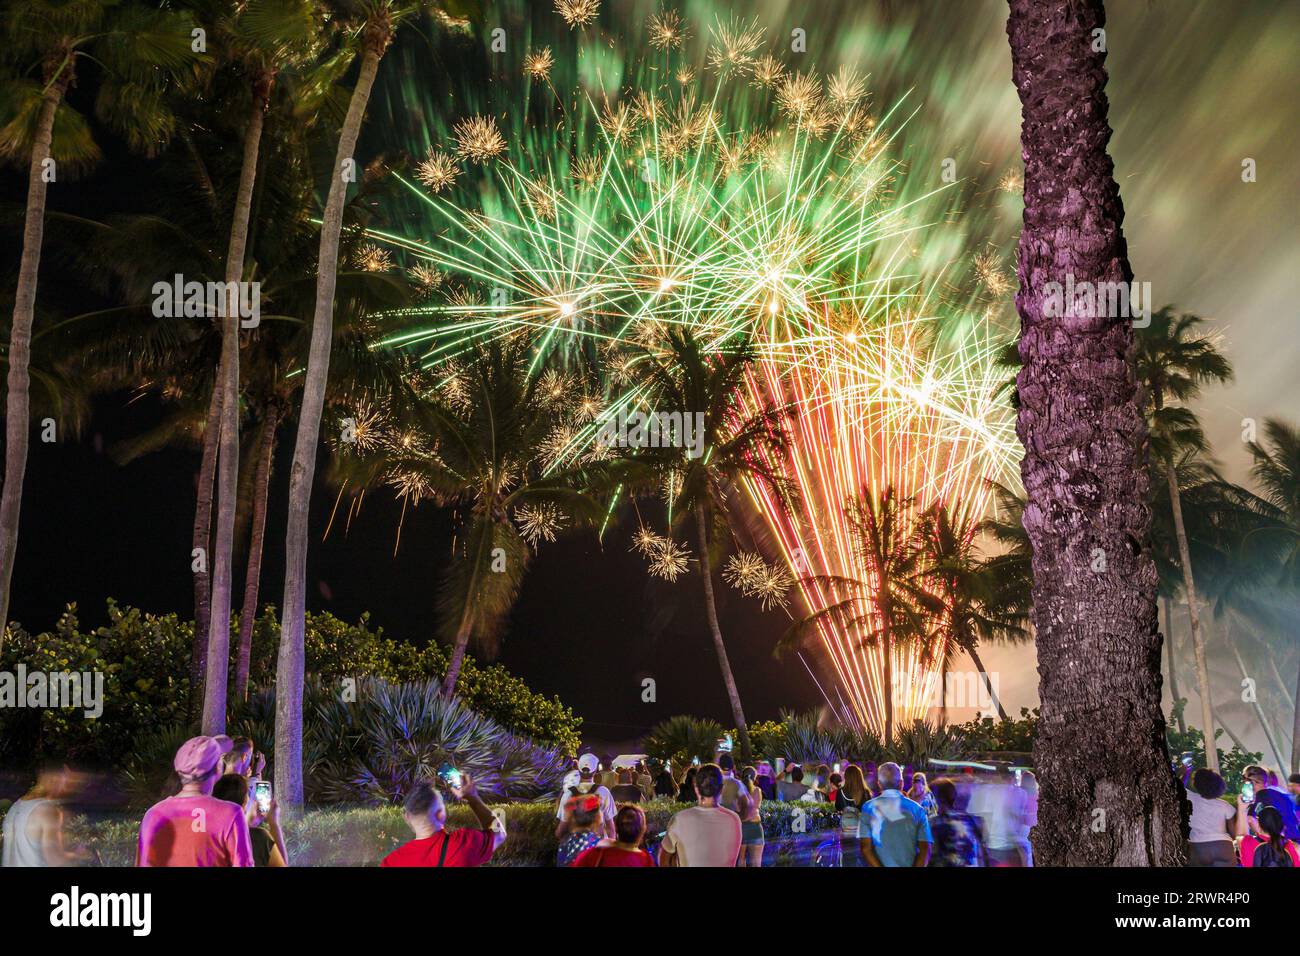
column 695, row 761
column 837, row 769
column 450, row 776
column 262, row 794
column 1248, row 792
column 1187, row 760
column 725, row 745
column 780, row 766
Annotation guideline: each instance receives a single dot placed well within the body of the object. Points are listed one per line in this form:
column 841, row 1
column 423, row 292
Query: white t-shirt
column 704, row 836
column 606, row 799
column 1209, row 819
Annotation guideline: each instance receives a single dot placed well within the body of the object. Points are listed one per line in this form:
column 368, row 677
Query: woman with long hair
column 849, row 801
column 752, row 840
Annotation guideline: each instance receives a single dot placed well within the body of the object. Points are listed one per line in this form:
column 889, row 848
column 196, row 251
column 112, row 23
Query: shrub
column 683, row 738
column 370, row 749
column 145, row 662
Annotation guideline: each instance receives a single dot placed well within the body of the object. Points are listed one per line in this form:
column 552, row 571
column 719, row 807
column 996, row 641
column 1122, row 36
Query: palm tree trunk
column 289, row 666
column 214, row 685
column 1173, row 662
column 457, row 655
column 1295, row 730
column 253, row 574
column 729, row 679
column 17, row 399
column 1101, row 733
column 1194, row 614
column 200, row 538
column 1259, row 713
column 888, row 644
column 988, row 684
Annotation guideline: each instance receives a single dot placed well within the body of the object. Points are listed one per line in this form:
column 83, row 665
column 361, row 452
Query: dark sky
column 1194, row 88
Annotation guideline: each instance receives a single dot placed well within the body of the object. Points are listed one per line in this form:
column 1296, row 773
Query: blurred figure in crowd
column 626, row 790
column 587, row 783
column 958, row 838
column 850, row 798
column 583, row 811
column 33, row 826
column 752, row 840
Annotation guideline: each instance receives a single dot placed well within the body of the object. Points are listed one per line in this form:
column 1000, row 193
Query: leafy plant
column 683, row 738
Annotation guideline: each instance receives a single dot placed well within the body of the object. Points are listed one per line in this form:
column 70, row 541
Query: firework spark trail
column 744, row 215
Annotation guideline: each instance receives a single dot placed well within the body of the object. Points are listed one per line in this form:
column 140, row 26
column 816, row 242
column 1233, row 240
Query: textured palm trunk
column 253, row 573
column 200, row 540
column 17, row 399
column 457, row 655
column 988, row 683
column 1109, row 797
column 711, row 610
column 217, row 676
column 1173, row 661
column 1194, row 615
column 290, row 664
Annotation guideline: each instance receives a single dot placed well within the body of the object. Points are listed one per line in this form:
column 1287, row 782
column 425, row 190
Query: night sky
column 1194, row 89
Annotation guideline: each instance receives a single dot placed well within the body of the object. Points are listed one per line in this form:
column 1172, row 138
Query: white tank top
column 19, row 848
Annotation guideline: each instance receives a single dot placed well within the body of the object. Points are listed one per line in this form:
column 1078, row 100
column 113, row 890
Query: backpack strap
column 442, row 854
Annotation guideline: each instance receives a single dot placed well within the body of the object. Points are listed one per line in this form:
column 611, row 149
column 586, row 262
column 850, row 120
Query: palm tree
column 492, row 440
column 379, row 20
column 139, row 50
column 887, row 605
column 259, row 38
column 1100, row 742
column 1173, row 361
column 732, row 446
column 965, row 593
column 1277, row 470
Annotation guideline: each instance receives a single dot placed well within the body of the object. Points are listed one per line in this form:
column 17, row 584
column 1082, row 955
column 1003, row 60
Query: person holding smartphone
column 263, row 815
column 425, row 813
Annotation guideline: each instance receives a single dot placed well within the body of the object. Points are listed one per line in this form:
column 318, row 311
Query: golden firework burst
column 773, row 586
column 1011, row 181
column 733, row 45
column 666, row 30
column 619, row 122
column 988, row 270
column 539, row 63
column 846, row 88
column 538, row 523
column 373, row 258
column 577, row 13
column 478, row 139
column 768, row 71
column 799, row 94
column 438, row 170
column 669, row 560
column 586, row 172
column 645, row 541
column 743, row 570
column 426, row 278
column 541, row 197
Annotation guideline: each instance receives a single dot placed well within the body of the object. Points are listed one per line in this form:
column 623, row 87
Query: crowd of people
column 221, row 813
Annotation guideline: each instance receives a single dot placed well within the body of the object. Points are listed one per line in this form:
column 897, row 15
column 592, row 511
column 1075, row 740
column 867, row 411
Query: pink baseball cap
column 199, row 756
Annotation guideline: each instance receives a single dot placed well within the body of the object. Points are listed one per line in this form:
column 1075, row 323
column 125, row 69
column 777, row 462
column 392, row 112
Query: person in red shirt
column 194, row 828
column 629, row 830
column 426, row 814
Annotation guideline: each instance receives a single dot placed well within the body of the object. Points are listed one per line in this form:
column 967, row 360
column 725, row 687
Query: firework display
column 685, row 175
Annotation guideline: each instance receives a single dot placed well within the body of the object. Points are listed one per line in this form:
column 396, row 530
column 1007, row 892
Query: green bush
column 362, row 836
column 683, row 738
column 145, row 662
column 986, row 735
